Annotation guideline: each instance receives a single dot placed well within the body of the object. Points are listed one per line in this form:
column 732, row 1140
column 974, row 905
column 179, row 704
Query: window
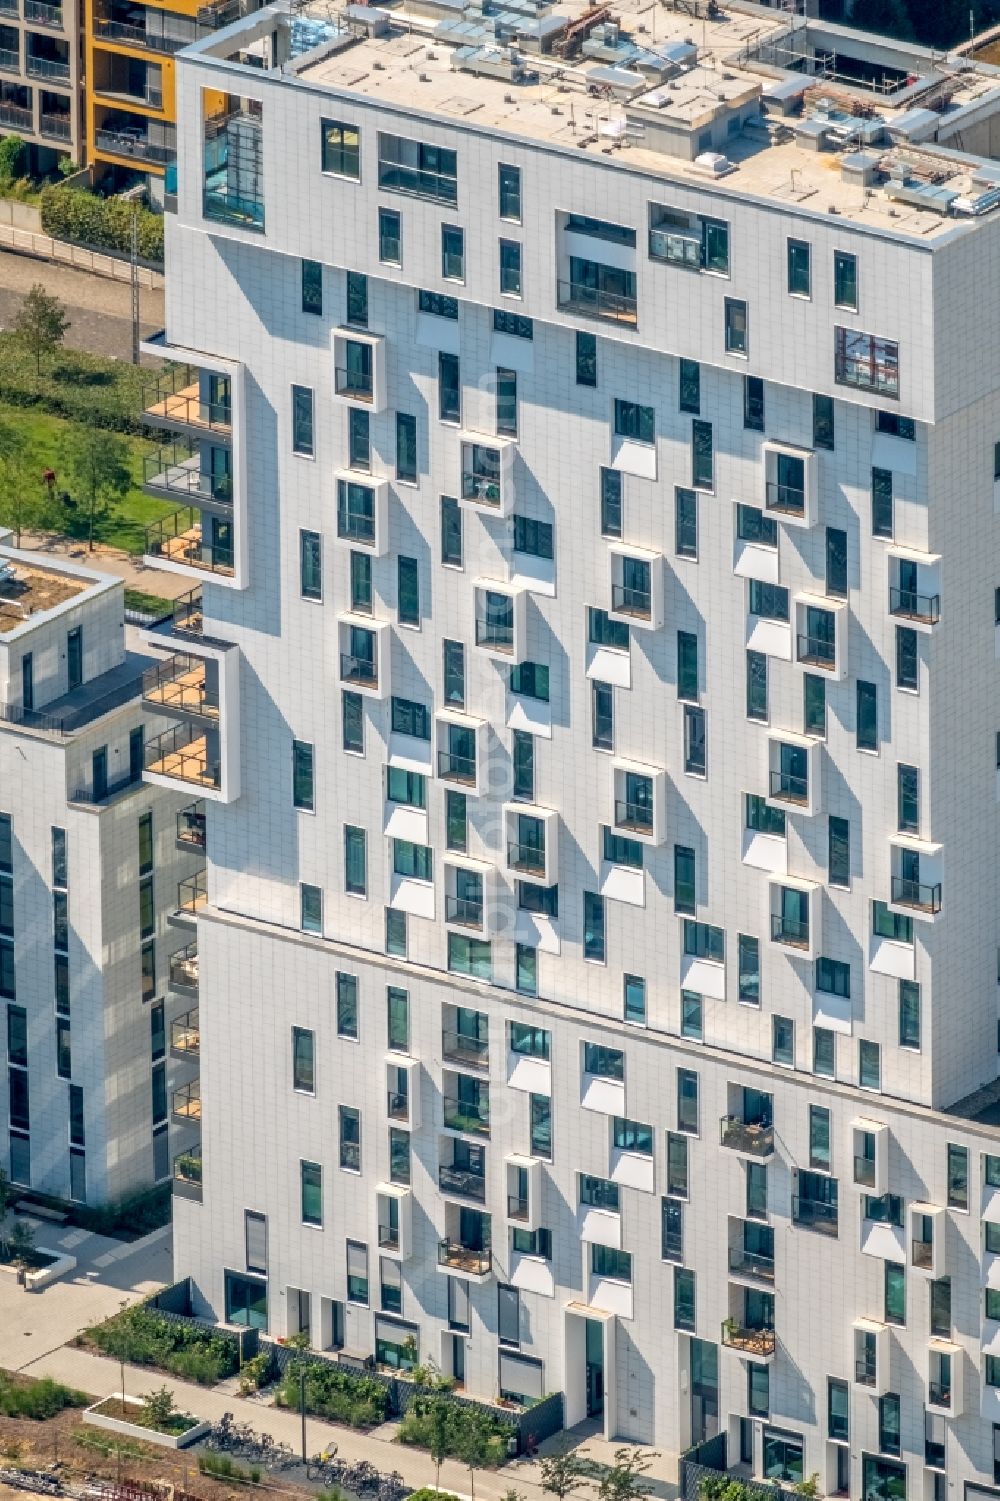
column 894, row 1292
column 748, row 963
column 958, row 1177
column 359, row 445
column 593, row 927
column 756, row 685
column 509, row 185
column 684, row 1298
column 303, row 1061
column 64, row 1065
column 752, row 525
column 695, row 747
column 526, row 971
column 899, row 427
column 302, row 421
column 687, row 1101
column 882, row 503
column 940, row 1317
column 451, row 532
column 602, row 1062
column 410, row 718
column 838, row 1409
column 823, row 422
column 350, row 1138
column 449, row 388
column 438, row 304
column 355, row 860
column 354, row 722
column 357, row 1272
column 866, row 362
column 357, row 298
column 508, row 1315
column 845, row 280
column 635, row 421
column 412, row 861
column 312, row 287
column 824, row 1053
column 907, row 799
column 390, row 237
column 311, row 1186
column 602, row 631
column 605, row 1261
column 303, row 788
column 836, row 562
column 833, row 977
column 687, row 665
column 737, row 341
column 799, row 279
column 398, row 1019
column 347, row 1005
column 685, row 522
column 408, row 591
column 510, row 268
column 540, row 1126
column 767, row 601
column 310, row 909
column 909, row 1014
column 813, row 704
column 685, row 885
column 341, row 148
column 783, row 1041
column 505, row 321
column 452, row 252
column 409, row 788
column 530, row 680
column 689, row 395
column 866, row 723
column 611, row 503
column 692, row 1016
column 631, row 1136
column 671, row 1229
column 703, row 941
column 470, row 956
column 702, row 460
column 523, row 762
column 758, row 1390
column 453, row 653
column 892, row 925
column 543, row 900
column 599, row 1193
column 586, row 359
column 425, row 171
column 906, row 658
column 869, row 1065
column 888, row 1427
column 839, row 852
column 456, row 819
column 634, row 995
column 361, row 583
column 753, row 403
column 602, row 701
column 819, row 1137
column 406, row 448
column 310, row 565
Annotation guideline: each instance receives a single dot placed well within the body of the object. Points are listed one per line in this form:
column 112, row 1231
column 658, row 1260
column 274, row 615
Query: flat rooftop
column 792, row 106
column 26, row 590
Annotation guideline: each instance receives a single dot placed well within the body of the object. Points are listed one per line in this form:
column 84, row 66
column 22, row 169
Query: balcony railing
column 397, row 1105
column 751, row 1264
column 750, row 1341
column 460, row 1047
column 459, row 1180
column 10, row 60
column 743, row 1136
column 177, row 401
column 191, row 826
column 187, row 1175
column 388, row 1237
column 517, row 1207
column 816, row 651
column 480, row 486
column 182, row 754
column 679, row 249
column 865, row 1372
column 864, row 1171
column 463, row 911
column 56, row 127
column 593, row 302
column 635, row 816
column 939, row 1395
column 815, row 1214
column 626, row 600
column 43, row 14
column 192, row 893
column 499, row 637
column 185, row 1102
column 185, row 1036
column 475, row 1261
column 8, row 7
column 917, row 894
column 224, row 207
column 47, row 67
column 137, row 36
column 350, row 1156
column 527, row 857
column 922, row 1254
column 913, row 606
column 787, row 787
column 467, row 1115
column 457, row 768
column 788, row 499
column 179, row 538
column 357, row 385
column 132, row 142
column 358, row 670
column 180, row 683
column 355, row 525
column 13, row 114
column 184, row 967
column 792, row 931
column 175, row 471
column 188, row 612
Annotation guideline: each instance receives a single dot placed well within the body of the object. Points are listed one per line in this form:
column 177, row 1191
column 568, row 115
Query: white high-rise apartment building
column 98, row 890
column 593, row 487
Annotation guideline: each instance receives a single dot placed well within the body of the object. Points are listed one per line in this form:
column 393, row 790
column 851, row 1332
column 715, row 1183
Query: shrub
column 342, row 1396
column 103, row 393
column 424, row 1415
column 223, row 1468
column 39, row 1399
column 12, row 158
column 106, row 223
column 144, row 1337
column 428, row 1493
column 255, row 1373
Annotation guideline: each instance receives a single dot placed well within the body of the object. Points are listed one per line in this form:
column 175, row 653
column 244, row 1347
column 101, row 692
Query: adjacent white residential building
column 591, row 475
column 98, row 888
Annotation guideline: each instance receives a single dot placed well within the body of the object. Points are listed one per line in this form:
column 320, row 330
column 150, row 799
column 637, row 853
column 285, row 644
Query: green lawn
column 124, row 527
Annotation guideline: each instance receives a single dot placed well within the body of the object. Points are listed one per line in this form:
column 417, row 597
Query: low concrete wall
column 20, row 215
column 43, row 1275
column 44, row 248
column 138, row 1431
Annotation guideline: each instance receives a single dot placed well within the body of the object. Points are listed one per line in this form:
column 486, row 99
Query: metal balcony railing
column 182, row 755
column 187, row 1175
column 461, row 1047
column 456, row 768
column 56, row 127
column 918, row 894
column 481, row 486
column 467, row 1115
column 864, row 1171
column 529, row 858
column 131, row 141
column 180, row 683
column 183, row 967
column 10, row 60
column 627, row 600
column 498, row 637
column 388, row 1237
column 185, row 1103
column 191, row 826
column 787, row 787
column 358, row 670
column 43, row 14
column 913, row 606
column 750, row 1341
column 185, row 1036
column 815, row 1214
column 13, row 114
column 174, row 399
column 176, row 470
column 792, row 931
column 816, row 651
column 47, row 67
column 922, row 1254
column 358, row 385
column 593, row 302
column 789, row 499
column 179, row 538
column 192, row 892
column 677, row 248
column 458, row 1180
column 517, row 1207
column 473, row 1260
column 751, row 1264
column 463, row 911
column 938, row 1395
column 188, row 612
column 865, row 1373
column 637, row 817
column 754, row 1140
column 397, row 1105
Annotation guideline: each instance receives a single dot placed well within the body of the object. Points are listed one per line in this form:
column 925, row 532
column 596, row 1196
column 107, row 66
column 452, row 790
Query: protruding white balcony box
column 945, row 1373
column 914, row 597
column 872, row 1350
column 473, row 896
column 794, row 919
column 639, row 802
column 636, row 586
column 500, row 619
column 821, row 628
column 916, row 872
column 870, row 1156
column 793, row 766
column 524, row 1210
column 394, row 1221
column 364, row 655
column 402, row 1083
column 532, row 852
column 456, row 734
column 790, row 484
column 362, row 512
column 486, row 473
column 359, row 368
column 928, row 1224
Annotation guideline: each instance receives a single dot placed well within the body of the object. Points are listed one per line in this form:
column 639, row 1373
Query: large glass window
column 341, row 148
column 311, row 1184
column 415, row 167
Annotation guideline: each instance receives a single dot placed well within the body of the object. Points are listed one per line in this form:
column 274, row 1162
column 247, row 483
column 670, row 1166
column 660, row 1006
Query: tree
column 21, row 1243
column 622, row 1481
column 439, row 1437
column 13, row 154
column 97, row 465
column 41, row 324
column 473, row 1446
column 563, row 1472
column 158, row 1408
column 23, row 499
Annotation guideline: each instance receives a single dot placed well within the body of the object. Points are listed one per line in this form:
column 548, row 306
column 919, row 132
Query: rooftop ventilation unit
column 491, row 62
column 925, row 195
column 713, row 164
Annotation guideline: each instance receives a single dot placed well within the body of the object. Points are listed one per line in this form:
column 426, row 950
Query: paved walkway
column 136, row 573
column 100, row 310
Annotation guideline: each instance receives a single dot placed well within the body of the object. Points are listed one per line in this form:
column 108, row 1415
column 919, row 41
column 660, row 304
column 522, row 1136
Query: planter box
column 190, row 1435
column 35, row 1280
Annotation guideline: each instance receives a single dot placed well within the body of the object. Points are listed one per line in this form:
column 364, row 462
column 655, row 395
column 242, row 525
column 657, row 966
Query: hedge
column 144, row 1337
column 333, row 1392
column 86, row 388
column 105, row 223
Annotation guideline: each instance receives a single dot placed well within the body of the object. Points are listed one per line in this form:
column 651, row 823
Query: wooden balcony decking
column 187, row 408
column 189, row 764
column 185, row 690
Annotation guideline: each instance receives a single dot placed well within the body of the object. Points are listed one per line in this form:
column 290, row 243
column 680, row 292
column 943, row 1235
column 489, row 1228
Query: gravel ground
column 100, row 310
